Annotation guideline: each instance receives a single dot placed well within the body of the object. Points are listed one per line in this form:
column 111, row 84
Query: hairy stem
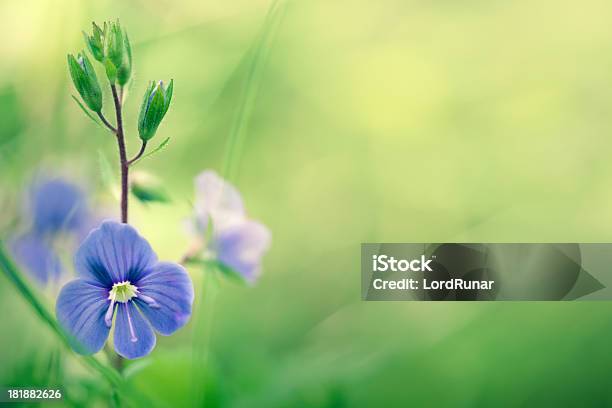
column 123, row 160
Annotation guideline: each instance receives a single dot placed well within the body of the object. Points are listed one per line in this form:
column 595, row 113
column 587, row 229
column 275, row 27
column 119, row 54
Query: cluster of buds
column 110, row 46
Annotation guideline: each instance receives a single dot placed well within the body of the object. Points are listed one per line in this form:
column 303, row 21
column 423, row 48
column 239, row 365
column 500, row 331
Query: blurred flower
column 56, row 206
column 57, row 209
column 217, row 202
column 37, row 257
column 85, row 81
column 241, row 247
column 119, row 272
column 236, row 242
column 153, row 109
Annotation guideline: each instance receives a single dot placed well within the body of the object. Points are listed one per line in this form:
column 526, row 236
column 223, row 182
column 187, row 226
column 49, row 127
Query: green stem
column 16, row 278
column 203, row 333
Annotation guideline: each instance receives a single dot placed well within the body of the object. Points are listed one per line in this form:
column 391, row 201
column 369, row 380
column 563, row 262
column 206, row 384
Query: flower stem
column 123, row 160
column 125, row 166
column 143, row 147
column 106, row 122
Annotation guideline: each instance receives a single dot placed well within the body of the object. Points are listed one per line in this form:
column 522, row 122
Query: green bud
column 125, row 70
column 117, row 53
column 114, row 46
column 85, row 81
column 153, row 109
column 95, row 42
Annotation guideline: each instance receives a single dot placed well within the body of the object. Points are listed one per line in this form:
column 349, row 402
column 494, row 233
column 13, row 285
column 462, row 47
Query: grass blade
column 259, row 53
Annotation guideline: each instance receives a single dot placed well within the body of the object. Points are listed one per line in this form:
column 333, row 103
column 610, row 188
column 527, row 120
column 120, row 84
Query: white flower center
column 122, row 292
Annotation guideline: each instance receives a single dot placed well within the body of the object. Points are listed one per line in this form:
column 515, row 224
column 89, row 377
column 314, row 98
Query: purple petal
column 165, row 297
column 218, row 200
column 33, row 254
column 80, row 310
column 114, row 253
column 134, row 337
column 242, row 246
column 57, row 205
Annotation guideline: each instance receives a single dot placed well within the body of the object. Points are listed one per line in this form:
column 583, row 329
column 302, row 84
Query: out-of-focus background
column 361, row 121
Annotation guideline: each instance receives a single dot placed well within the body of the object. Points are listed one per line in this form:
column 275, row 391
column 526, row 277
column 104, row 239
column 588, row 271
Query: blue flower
column 120, row 275
column 56, row 206
column 236, row 242
column 35, row 255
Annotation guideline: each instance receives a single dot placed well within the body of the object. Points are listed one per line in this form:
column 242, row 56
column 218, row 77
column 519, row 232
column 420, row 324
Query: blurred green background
column 386, row 121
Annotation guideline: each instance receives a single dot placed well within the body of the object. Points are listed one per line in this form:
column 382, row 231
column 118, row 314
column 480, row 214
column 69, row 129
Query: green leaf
column 149, row 194
column 89, row 115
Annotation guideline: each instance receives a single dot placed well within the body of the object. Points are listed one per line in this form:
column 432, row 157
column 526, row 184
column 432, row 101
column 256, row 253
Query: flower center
column 122, row 292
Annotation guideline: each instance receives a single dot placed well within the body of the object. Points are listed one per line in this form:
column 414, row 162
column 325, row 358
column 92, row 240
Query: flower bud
column 154, row 107
column 125, row 70
column 95, row 42
column 85, row 81
column 114, row 47
column 117, row 54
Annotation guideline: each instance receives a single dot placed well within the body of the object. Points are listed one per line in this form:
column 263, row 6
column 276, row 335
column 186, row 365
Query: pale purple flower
column 236, row 242
column 121, row 276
